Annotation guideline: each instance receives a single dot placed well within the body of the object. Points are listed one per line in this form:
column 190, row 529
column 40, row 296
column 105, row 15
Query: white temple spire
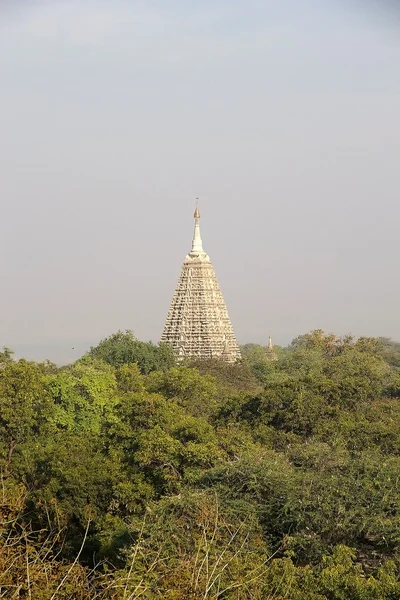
column 197, row 324
column 197, row 244
column 270, row 353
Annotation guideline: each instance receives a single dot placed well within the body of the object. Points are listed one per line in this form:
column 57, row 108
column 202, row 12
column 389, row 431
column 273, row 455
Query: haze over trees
column 125, row 475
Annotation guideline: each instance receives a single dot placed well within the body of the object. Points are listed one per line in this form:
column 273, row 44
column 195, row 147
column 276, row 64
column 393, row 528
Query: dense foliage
column 125, row 475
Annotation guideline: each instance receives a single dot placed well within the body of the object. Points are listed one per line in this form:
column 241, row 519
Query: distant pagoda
column 270, row 352
column 198, row 324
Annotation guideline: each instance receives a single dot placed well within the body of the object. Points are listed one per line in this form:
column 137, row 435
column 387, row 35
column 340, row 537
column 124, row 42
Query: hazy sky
column 283, row 116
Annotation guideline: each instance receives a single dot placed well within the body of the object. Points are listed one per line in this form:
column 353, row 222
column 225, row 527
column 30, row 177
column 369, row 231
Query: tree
column 232, row 378
column 182, row 482
column 82, row 394
column 129, row 378
column 390, row 351
column 329, row 344
column 123, row 348
column 6, row 355
column 197, row 393
column 24, row 403
column 194, row 546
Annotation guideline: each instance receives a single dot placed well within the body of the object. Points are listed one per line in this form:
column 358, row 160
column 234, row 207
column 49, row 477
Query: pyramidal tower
column 198, row 324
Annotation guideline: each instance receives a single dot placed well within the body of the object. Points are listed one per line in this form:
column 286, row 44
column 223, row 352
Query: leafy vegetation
column 125, row 475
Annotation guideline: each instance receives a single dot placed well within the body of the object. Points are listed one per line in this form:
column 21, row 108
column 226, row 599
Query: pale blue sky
column 282, row 116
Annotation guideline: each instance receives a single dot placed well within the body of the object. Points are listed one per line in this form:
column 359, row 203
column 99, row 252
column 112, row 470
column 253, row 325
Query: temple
column 198, row 324
column 270, row 352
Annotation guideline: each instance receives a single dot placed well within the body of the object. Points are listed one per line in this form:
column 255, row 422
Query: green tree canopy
column 123, row 348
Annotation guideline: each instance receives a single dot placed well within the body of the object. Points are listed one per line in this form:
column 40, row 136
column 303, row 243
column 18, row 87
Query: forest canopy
column 127, row 475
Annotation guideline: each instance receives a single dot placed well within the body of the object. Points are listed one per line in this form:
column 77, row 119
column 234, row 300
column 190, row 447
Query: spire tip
column 197, row 212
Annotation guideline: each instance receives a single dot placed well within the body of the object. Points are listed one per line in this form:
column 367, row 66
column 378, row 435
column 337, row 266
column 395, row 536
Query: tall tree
column 123, row 348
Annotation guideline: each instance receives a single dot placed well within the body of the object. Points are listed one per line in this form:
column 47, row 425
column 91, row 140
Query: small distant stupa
column 270, row 352
column 198, row 324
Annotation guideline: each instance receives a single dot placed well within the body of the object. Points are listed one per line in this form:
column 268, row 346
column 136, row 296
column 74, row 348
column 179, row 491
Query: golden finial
column 197, row 212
